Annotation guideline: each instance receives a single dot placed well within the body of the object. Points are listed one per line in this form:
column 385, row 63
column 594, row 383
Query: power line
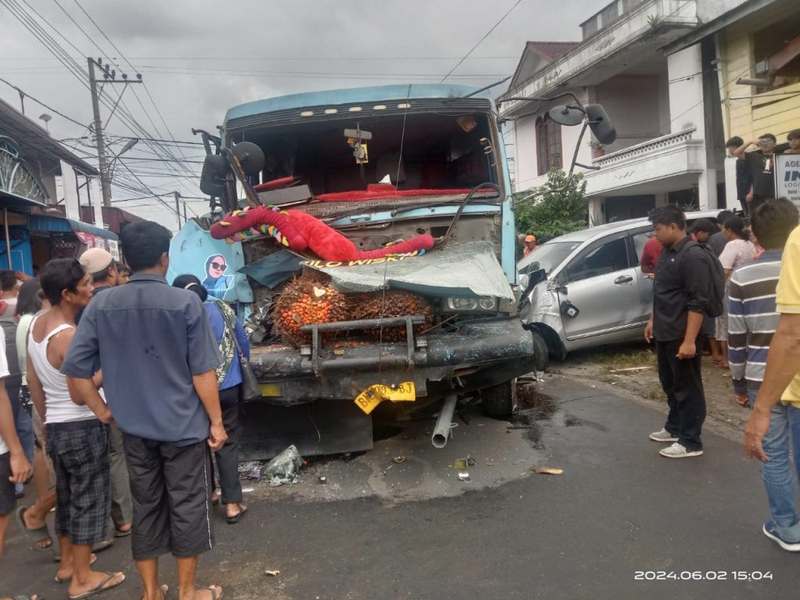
column 40, row 103
column 480, row 41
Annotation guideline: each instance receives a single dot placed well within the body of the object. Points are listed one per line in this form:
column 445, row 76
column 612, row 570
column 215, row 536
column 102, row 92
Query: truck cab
column 378, row 165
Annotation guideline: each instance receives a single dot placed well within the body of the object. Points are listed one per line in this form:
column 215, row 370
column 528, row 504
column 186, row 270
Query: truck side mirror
column 212, row 178
column 600, row 124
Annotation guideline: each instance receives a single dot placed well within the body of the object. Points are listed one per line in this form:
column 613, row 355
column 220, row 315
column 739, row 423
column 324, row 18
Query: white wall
column 525, row 163
column 708, row 10
column 686, row 105
column 637, row 106
column 687, row 109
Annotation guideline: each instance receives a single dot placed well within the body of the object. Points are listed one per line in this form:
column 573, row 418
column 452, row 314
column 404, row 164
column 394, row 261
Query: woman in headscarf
column 234, row 347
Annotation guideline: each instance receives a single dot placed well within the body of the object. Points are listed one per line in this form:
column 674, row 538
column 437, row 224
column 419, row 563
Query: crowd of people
column 734, row 287
column 120, row 403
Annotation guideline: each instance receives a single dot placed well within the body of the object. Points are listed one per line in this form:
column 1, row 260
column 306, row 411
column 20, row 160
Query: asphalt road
column 618, row 509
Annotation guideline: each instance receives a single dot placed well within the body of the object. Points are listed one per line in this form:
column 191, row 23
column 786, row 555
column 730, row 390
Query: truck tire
column 498, row 401
column 541, row 356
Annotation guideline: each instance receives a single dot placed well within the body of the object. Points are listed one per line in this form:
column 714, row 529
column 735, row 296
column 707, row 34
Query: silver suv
column 586, row 289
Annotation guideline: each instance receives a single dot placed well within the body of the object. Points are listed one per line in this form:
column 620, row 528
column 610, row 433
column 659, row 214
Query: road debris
column 399, row 460
column 322, row 479
column 463, row 476
column 461, row 464
column 548, row 470
column 252, row 470
column 283, row 468
column 272, row 573
column 630, row 369
column 248, row 490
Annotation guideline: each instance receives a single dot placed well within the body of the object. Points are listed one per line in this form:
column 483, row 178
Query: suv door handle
column 623, row 279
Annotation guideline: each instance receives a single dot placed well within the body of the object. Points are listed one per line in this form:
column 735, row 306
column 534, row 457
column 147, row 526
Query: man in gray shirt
column 717, row 241
column 158, row 358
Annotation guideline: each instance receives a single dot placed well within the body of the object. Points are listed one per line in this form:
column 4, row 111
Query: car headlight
column 472, row 304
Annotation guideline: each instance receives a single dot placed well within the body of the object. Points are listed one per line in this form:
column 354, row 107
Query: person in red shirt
column 650, row 255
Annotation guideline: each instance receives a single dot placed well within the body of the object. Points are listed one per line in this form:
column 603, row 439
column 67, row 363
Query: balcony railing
column 649, row 147
column 663, row 18
column 668, row 157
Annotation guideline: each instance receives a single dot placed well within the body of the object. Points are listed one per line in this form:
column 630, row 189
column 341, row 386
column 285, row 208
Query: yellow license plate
column 270, row 390
column 375, row 394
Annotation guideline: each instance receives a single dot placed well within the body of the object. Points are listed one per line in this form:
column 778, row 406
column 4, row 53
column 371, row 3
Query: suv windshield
column 547, row 256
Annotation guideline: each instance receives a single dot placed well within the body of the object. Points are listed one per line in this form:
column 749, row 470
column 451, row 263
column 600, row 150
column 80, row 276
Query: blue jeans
column 782, row 440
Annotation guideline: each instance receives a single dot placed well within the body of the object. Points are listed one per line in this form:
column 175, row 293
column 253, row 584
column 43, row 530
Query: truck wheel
column 541, row 356
column 499, row 400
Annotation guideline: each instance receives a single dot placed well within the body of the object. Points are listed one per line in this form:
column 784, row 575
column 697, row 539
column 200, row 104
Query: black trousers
column 228, row 456
column 682, row 382
column 171, row 491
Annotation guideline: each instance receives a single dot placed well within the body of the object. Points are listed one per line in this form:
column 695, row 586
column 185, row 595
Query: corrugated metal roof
column 34, row 139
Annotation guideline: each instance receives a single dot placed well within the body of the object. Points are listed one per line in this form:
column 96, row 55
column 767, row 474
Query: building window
column 776, row 51
column 548, row 145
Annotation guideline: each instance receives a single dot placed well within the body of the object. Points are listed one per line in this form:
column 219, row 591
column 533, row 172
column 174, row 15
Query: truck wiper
column 492, row 200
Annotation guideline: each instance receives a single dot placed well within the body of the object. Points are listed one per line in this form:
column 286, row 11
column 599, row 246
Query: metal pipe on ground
column 441, row 432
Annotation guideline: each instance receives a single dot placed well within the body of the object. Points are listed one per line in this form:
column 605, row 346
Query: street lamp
column 46, row 118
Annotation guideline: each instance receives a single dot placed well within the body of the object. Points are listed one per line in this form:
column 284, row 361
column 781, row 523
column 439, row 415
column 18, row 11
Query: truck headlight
column 472, row 304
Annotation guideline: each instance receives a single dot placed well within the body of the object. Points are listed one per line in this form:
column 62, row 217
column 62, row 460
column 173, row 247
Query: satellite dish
column 566, row 115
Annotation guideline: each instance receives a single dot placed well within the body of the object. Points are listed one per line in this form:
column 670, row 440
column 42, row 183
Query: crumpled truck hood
column 466, row 270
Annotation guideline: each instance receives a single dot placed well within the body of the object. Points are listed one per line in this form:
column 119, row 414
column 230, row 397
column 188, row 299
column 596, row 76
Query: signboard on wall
column 787, row 177
column 69, row 185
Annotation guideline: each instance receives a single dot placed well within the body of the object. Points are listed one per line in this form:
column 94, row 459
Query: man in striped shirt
column 753, row 316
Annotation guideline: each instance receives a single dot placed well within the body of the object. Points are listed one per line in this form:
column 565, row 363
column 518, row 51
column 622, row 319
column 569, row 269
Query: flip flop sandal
column 104, row 586
column 216, row 591
column 232, row 520
column 164, row 591
column 58, row 579
column 38, row 535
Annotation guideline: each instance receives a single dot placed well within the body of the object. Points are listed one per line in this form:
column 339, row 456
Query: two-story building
column 670, row 144
column 42, row 184
column 758, row 71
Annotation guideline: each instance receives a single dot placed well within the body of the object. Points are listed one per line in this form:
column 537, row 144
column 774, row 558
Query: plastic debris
column 399, row 460
column 272, row 573
column 548, row 471
column 322, row 479
column 461, row 464
column 463, row 476
column 283, row 468
column 248, row 490
column 250, row 470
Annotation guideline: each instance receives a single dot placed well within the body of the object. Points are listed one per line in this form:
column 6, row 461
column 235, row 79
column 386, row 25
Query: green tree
column 557, row 207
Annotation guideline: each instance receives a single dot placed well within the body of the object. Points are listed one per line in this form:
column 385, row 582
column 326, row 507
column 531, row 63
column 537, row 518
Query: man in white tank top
column 77, row 434
column 14, row 466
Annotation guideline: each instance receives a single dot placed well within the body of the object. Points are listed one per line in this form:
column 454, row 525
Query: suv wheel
column 499, row 400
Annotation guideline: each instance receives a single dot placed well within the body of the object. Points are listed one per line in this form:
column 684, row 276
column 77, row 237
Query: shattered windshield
column 546, row 256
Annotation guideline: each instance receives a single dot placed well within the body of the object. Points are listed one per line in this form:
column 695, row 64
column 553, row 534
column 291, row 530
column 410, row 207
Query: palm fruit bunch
column 306, row 300
column 388, row 304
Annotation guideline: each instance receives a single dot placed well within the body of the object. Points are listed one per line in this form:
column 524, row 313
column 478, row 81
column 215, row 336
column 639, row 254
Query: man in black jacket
column 743, row 178
column 683, row 291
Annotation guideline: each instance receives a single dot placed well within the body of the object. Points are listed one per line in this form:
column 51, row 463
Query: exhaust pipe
column 441, row 432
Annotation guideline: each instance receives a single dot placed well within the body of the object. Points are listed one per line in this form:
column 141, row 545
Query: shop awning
column 61, row 224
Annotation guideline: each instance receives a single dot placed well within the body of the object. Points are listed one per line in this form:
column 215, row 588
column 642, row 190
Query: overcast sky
column 199, row 57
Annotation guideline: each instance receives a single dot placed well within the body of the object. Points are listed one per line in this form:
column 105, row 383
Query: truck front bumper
column 480, row 354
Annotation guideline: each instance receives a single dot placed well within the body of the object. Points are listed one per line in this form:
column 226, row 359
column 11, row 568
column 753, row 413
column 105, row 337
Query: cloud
column 200, row 57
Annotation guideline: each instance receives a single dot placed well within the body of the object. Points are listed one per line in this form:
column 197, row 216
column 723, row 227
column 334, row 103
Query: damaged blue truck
column 378, row 165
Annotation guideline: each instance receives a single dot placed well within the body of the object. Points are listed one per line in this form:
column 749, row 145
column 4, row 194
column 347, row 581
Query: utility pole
column 178, row 207
column 109, row 76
